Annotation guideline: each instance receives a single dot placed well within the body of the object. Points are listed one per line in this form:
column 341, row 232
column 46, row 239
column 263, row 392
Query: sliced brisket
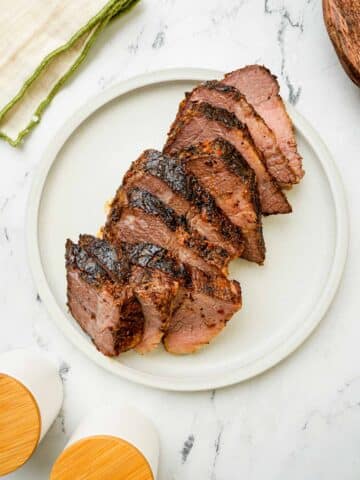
column 108, row 312
column 204, row 310
column 190, row 306
column 136, row 216
column 201, row 122
column 261, row 90
column 229, row 179
column 204, row 304
column 155, row 288
column 158, row 272
column 226, row 96
column 167, row 179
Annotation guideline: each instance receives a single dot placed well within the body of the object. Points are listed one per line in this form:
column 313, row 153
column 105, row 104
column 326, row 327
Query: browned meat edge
column 261, row 90
column 140, row 202
column 203, row 313
column 118, row 258
column 88, row 283
column 205, row 302
column 166, row 177
column 220, row 149
column 154, row 277
column 226, row 96
column 203, row 122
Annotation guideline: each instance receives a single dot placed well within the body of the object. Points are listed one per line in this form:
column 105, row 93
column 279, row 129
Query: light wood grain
column 20, row 424
column 101, row 457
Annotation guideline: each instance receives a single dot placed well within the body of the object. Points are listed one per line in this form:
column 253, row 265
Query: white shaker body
column 123, row 422
column 40, row 376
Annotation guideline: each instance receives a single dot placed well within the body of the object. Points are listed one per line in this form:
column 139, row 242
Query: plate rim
column 233, row 376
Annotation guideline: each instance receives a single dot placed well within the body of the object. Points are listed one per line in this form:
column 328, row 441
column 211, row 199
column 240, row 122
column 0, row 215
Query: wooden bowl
column 342, row 19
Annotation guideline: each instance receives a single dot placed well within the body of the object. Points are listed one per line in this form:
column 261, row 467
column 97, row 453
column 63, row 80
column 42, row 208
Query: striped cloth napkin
column 42, row 42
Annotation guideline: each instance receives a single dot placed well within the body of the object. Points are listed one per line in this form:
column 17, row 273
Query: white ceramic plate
column 283, row 300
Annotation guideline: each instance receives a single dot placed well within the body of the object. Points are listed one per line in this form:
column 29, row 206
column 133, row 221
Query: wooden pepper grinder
column 30, row 399
column 112, row 443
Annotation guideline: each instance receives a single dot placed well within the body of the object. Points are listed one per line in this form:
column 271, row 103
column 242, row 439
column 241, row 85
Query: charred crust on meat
column 210, row 252
column 221, row 147
column 115, row 214
column 222, row 115
column 106, row 256
column 142, row 199
column 118, row 259
column 171, row 170
column 215, row 286
column 235, row 162
column 233, row 159
column 152, row 256
column 190, row 109
column 131, row 321
column 147, row 202
column 77, row 257
column 223, row 88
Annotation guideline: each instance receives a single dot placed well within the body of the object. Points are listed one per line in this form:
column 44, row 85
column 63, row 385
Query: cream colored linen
column 41, row 42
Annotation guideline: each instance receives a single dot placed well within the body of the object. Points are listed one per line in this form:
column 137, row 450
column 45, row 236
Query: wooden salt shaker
column 112, row 443
column 30, row 398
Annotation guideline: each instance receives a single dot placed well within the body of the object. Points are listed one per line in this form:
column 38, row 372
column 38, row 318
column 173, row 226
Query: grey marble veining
column 299, row 421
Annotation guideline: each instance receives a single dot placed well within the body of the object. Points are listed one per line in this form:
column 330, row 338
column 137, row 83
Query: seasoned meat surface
column 204, row 311
column 167, row 179
column 261, row 90
column 221, row 95
column 202, row 122
column 154, row 289
column 230, row 180
column 110, row 314
column 158, row 271
column 136, row 216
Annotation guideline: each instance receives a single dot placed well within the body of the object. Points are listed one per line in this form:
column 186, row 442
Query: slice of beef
column 150, row 256
column 157, row 294
column 133, row 222
column 203, row 313
column 261, row 90
column 204, row 304
column 226, row 175
column 120, row 295
column 226, row 96
column 110, row 314
column 138, row 216
column 167, row 179
column 155, row 289
column 201, row 122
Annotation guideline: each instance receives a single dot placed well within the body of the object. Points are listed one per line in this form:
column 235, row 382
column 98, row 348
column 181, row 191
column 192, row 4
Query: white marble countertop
column 301, row 420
